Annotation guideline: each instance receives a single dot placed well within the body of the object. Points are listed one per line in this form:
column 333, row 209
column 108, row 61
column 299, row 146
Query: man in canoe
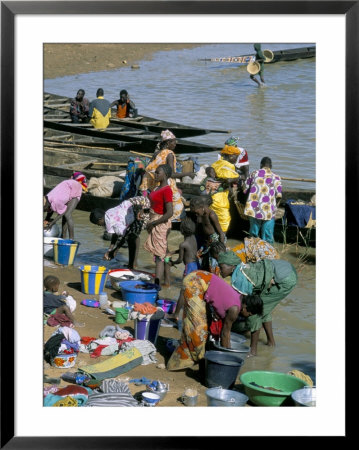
column 79, row 108
column 260, row 58
column 264, row 190
column 62, row 200
column 125, row 106
column 100, row 111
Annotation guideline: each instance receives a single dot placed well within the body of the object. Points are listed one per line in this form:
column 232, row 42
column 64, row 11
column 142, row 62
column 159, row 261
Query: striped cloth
column 114, row 393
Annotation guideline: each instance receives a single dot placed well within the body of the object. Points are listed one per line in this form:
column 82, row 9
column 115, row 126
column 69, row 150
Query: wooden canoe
column 55, row 105
column 62, row 164
column 290, row 54
column 117, row 132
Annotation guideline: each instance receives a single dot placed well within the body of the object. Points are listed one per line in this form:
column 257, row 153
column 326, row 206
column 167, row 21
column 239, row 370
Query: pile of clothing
column 64, row 340
column 146, row 311
column 109, row 343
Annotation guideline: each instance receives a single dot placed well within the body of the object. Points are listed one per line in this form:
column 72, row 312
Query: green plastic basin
column 266, row 397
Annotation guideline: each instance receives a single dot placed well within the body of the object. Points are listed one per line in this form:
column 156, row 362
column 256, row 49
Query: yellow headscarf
column 230, row 150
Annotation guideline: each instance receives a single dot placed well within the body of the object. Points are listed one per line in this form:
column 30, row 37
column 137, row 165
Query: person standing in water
column 260, row 58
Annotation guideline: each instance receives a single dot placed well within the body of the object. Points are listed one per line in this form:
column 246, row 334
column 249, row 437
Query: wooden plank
column 299, row 179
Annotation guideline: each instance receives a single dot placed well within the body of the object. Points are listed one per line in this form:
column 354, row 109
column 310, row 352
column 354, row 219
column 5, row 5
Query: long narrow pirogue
column 56, row 106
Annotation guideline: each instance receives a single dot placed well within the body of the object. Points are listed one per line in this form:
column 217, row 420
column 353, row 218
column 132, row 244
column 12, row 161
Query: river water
column 276, row 121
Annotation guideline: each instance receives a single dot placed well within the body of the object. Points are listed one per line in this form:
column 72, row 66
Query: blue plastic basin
column 132, row 295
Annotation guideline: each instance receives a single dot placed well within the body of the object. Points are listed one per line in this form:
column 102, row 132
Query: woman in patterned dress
column 164, row 154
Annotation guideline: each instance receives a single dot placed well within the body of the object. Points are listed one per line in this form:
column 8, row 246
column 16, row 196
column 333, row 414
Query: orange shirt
column 122, row 111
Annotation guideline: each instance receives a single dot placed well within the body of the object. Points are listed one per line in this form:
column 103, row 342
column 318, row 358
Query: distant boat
column 290, row 54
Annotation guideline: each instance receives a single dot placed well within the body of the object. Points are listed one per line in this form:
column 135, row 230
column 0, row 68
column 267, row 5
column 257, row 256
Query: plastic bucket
column 49, row 246
column 147, row 330
column 121, row 315
column 133, row 294
column 65, row 251
column 221, row 368
column 93, row 279
column 225, row 397
column 168, row 306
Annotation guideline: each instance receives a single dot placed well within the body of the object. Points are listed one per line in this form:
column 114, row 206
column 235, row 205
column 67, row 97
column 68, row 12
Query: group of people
column 98, row 112
column 207, row 303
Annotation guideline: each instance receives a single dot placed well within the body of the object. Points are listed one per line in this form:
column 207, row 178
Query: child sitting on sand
column 187, row 253
column 58, row 304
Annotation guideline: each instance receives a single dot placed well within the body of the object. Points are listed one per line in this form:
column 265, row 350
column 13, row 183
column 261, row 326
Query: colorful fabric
column 210, row 186
column 167, row 135
column 194, row 336
column 59, row 319
column 159, row 197
column 221, row 296
column 135, row 168
column 62, row 194
column 254, row 249
column 191, row 267
column 224, row 169
column 67, row 401
column 263, row 187
column 80, row 177
column 259, row 275
column 78, row 109
column 119, row 218
column 231, row 147
column 262, row 228
column 229, row 258
column 221, row 206
column 271, row 298
column 100, row 112
column 114, row 366
column 149, row 183
column 220, row 201
column 156, row 242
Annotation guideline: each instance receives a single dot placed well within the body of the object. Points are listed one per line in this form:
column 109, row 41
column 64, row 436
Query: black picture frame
column 8, row 12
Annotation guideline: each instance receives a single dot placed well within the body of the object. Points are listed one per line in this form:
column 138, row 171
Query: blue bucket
column 93, row 279
column 65, row 251
column 132, row 295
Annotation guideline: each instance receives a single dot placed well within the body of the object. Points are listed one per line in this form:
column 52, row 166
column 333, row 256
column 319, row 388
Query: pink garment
column 119, row 218
column 221, row 296
column 62, row 194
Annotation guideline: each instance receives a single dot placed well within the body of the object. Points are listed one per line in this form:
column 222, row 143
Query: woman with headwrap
column 125, row 221
column 226, row 175
column 211, row 306
column 251, row 250
column 260, row 58
column 164, row 154
column 272, row 280
column 63, row 199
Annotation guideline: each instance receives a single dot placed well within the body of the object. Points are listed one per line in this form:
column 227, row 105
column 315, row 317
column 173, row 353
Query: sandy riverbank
column 96, row 320
column 70, row 59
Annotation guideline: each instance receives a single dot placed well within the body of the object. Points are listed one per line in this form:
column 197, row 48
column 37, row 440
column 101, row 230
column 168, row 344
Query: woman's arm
column 167, row 215
column 231, row 316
